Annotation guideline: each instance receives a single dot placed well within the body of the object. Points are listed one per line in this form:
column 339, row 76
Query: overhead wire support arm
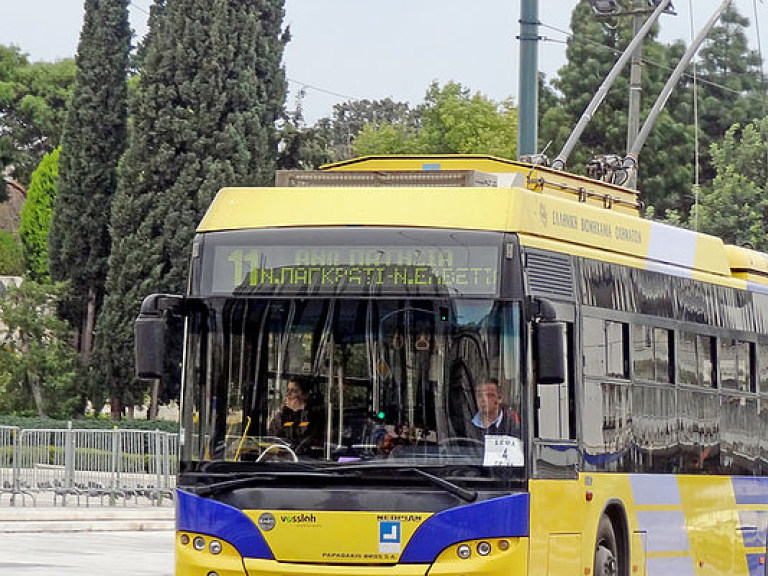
column 631, row 160
column 597, row 99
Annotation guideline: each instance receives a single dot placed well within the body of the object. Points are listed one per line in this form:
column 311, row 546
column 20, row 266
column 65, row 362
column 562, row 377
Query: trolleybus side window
column 651, row 352
column 762, row 357
column 695, row 354
column 605, row 348
column 736, row 364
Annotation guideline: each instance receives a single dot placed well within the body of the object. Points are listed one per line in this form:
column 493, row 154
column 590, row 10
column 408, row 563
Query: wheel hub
column 605, row 562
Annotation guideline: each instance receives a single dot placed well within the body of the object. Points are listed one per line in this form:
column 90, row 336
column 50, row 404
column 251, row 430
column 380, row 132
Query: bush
column 11, row 258
column 88, row 424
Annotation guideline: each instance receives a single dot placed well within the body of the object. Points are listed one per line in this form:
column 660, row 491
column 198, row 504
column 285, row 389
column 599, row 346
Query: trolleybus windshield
column 392, row 381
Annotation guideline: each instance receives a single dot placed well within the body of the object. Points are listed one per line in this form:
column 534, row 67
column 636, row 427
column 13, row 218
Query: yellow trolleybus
column 464, row 365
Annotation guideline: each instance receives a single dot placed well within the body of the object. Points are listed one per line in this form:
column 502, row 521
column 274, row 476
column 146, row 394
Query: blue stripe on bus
column 603, row 459
column 431, row 166
column 666, row 530
column 755, row 567
column 753, row 527
column 205, row 516
column 655, row 490
column 680, row 566
column 505, row 517
column 750, row 490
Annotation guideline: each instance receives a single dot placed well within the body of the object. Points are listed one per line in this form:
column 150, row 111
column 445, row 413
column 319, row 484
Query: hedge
column 88, row 424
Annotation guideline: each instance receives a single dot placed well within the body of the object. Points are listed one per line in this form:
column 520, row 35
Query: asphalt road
column 82, row 553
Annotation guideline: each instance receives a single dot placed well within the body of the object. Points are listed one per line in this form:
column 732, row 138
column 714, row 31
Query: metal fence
column 65, row 467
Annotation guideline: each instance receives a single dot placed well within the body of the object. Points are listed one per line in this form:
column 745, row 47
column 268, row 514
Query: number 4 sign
column 503, row 451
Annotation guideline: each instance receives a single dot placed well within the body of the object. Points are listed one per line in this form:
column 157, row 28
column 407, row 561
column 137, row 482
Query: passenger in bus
column 493, row 417
column 297, row 422
column 401, row 437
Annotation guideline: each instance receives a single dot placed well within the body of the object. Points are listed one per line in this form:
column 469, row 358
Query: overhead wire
column 696, row 158
column 139, row 8
column 323, row 90
column 760, row 52
column 644, row 60
column 291, row 80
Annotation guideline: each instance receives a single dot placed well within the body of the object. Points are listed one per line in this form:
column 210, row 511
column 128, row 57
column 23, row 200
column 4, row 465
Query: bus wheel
column 606, row 550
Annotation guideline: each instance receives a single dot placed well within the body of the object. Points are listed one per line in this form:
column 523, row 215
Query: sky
column 355, row 49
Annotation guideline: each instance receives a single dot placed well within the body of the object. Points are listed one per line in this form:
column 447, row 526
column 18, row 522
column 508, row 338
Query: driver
column 296, row 422
column 492, row 416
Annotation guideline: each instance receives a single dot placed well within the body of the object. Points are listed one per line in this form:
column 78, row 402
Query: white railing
column 73, row 466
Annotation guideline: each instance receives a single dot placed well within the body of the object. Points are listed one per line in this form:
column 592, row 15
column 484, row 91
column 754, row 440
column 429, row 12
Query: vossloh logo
column 302, row 518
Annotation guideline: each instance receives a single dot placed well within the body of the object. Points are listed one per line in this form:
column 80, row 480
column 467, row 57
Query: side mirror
column 150, row 346
column 150, row 334
column 550, row 345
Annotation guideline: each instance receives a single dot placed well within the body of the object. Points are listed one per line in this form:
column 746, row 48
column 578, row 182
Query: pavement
column 85, row 519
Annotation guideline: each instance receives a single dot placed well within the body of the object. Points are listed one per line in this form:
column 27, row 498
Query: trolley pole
column 528, row 118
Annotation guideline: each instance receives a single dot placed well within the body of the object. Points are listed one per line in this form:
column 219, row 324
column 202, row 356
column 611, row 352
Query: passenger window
column 694, row 359
column 661, row 354
column 736, row 364
column 651, row 352
column 686, row 358
column 762, row 351
column 593, row 338
column 616, row 336
column 705, row 360
column 604, row 343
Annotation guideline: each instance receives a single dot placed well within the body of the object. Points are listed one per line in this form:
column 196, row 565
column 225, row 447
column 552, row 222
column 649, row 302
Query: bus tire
column 606, row 549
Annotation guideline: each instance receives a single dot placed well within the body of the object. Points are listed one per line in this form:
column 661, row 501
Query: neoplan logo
column 303, row 518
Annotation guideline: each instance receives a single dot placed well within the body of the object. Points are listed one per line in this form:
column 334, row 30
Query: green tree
column 350, row 119
column 303, row 147
column 735, row 206
column 37, row 364
column 385, row 138
column 36, row 217
column 731, row 88
column 33, row 106
column 665, row 175
column 204, row 117
column 11, row 257
column 452, row 121
column 93, row 141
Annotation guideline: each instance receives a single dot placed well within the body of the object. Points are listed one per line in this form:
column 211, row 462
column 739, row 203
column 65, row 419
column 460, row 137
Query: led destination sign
column 356, row 270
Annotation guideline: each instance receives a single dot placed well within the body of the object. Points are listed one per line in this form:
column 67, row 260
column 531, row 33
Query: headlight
column 483, row 548
column 464, row 551
column 198, row 543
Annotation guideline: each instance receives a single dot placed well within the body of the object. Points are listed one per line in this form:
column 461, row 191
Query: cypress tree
column 210, row 92
column 36, row 217
column 92, row 143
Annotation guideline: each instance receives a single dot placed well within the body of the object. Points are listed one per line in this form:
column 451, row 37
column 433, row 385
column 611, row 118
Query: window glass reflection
column 352, row 380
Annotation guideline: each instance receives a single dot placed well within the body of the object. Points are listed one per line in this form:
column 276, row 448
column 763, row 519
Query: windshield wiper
column 447, row 485
column 259, row 477
column 253, row 479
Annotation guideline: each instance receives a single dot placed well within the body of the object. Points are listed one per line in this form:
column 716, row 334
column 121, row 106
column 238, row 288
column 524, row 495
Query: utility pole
column 528, row 109
column 635, row 73
column 561, row 159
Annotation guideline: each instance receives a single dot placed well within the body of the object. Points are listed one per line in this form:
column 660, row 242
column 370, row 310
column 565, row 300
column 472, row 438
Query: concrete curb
column 85, row 520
